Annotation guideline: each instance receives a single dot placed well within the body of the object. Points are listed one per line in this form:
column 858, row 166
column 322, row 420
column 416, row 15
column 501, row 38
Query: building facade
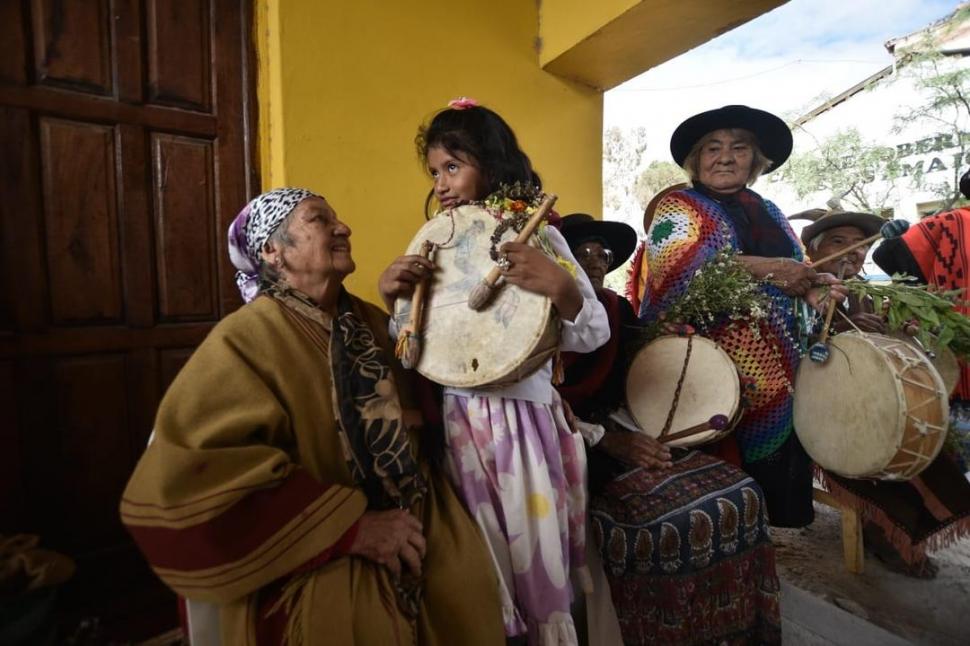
column 923, row 150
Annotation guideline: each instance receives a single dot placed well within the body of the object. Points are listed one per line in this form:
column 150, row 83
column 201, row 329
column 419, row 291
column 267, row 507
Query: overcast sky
column 781, row 62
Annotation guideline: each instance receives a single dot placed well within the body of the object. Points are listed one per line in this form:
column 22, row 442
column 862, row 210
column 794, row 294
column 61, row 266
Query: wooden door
column 124, row 154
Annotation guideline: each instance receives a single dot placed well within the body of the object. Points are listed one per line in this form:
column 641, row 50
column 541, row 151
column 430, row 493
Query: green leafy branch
column 937, row 320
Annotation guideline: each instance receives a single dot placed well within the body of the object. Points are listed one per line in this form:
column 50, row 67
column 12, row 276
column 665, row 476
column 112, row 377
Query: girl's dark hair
column 483, row 137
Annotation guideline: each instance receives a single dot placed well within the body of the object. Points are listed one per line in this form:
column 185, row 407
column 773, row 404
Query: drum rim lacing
column 926, row 431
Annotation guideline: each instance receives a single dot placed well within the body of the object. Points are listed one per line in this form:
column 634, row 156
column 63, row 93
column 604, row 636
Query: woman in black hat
column 723, row 152
column 647, row 501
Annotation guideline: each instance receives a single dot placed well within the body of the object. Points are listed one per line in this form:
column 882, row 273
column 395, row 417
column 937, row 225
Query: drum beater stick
column 890, row 229
column 716, row 423
column 408, row 348
column 482, row 292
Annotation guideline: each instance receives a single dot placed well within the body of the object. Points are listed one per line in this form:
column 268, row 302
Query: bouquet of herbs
column 722, row 288
column 932, row 313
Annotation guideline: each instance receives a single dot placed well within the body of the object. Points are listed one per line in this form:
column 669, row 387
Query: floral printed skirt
column 521, row 473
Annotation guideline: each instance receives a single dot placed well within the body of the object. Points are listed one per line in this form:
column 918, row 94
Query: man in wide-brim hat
column 836, row 230
column 723, row 152
column 829, row 234
column 902, row 521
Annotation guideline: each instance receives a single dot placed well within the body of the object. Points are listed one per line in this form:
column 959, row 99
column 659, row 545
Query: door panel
column 72, row 44
column 24, row 284
column 93, row 448
column 179, row 76
column 184, row 228
column 125, row 152
column 80, row 221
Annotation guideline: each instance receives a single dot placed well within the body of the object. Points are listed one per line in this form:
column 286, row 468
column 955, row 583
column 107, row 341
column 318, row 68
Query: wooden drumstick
column 482, row 292
column 716, row 423
column 890, row 229
column 409, row 340
column 819, row 352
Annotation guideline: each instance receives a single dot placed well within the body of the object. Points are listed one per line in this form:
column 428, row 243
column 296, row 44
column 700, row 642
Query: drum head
column 711, row 386
column 459, row 346
column 849, row 411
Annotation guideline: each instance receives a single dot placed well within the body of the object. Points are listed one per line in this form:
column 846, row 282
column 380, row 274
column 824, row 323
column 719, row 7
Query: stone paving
column 822, row 603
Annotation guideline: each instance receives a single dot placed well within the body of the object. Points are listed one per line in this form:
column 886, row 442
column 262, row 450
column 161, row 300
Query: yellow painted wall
column 564, row 23
column 269, row 92
column 344, row 85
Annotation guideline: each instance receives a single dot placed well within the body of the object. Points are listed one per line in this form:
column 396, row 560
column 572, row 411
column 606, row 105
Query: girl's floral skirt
column 521, row 473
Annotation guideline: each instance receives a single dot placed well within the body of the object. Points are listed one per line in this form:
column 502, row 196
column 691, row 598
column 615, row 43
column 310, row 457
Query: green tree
column 944, row 83
column 845, row 167
column 622, row 160
column 656, row 177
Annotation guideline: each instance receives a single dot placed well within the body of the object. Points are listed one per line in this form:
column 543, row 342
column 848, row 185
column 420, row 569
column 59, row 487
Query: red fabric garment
column 231, row 536
column 726, row 449
column 586, row 373
column 939, row 246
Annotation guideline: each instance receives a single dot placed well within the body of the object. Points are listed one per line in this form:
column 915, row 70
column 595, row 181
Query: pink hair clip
column 462, row 103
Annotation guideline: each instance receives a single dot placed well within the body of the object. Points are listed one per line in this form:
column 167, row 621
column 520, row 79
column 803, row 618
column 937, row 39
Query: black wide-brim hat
column 868, row 223
column 577, row 228
column 773, row 135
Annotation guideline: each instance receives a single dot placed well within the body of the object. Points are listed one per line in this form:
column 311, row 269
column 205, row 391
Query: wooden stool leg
column 852, row 548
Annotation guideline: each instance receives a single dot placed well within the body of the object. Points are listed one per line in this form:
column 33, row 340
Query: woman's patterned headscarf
column 253, row 227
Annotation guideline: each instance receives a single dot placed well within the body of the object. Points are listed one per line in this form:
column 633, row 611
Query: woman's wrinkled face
column 457, row 179
column 320, row 245
column 595, row 260
column 724, row 163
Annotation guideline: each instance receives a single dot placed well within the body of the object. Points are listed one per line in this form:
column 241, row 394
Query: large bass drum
column 514, row 335
column 877, row 408
column 708, row 386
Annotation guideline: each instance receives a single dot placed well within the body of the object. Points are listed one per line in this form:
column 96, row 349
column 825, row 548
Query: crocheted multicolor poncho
column 688, row 230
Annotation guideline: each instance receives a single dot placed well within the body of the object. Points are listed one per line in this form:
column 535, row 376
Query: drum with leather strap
column 676, row 383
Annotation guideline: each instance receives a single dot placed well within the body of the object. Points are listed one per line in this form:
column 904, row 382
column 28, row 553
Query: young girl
column 510, row 452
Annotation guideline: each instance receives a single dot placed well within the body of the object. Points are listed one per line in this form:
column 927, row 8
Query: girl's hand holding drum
column 513, row 335
column 532, row 270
